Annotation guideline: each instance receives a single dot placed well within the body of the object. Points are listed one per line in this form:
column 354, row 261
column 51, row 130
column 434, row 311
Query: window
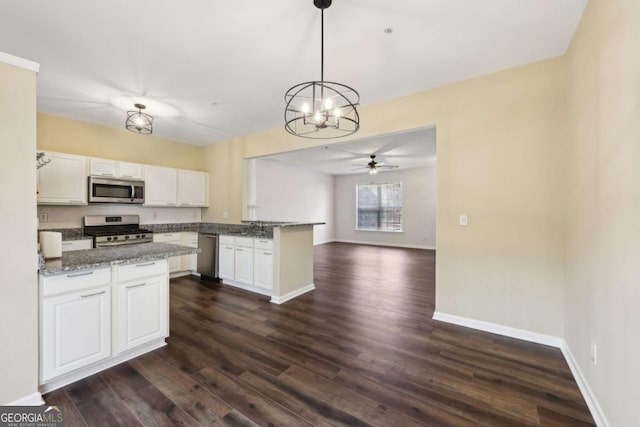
column 379, row 207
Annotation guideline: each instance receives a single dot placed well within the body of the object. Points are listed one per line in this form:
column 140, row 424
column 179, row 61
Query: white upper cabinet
column 129, row 170
column 102, row 167
column 63, row 181
column 193, row 188
column 113, row 168
column 160, row 186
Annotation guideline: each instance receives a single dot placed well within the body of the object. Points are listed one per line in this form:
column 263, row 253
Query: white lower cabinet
column 226, row 257
column 189, row 262
column 96, row 318
column 243, row 270
column 263, row 268
column 247, row 261
column 142, row 311
column 76, row 245
column 175, row 263
column 75, row 330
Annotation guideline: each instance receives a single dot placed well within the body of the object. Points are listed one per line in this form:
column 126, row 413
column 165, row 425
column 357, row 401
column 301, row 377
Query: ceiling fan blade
column 387, row 166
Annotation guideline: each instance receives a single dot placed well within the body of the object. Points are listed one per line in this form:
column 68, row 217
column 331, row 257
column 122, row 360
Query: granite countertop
column 246, row 229
column 103, row 257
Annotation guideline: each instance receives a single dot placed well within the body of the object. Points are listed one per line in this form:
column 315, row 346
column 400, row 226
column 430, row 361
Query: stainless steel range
column 115, row 230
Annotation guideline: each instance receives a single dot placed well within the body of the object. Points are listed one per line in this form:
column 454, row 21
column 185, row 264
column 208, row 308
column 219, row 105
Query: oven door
column 106, row 190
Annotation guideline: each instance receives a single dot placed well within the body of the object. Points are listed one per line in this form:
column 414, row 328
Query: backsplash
column 71, row 216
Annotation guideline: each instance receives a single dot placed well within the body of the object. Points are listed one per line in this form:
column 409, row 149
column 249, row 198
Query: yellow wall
column 603, row 204
column 500, row 160
column 18, row 267
column 87, row 139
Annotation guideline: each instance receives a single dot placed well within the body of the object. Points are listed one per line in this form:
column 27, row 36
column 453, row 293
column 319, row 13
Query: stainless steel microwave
column 115, row 190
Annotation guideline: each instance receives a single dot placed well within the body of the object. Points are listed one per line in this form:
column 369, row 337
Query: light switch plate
column 43, row 217
column 464, row 220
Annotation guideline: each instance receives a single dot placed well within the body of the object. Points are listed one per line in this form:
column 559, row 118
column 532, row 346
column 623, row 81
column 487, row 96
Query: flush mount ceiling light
column 139, row 122
column 321, row 109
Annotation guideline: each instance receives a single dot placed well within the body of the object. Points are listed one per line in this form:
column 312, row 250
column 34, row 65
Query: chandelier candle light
column 139, row 122
column 321, row 109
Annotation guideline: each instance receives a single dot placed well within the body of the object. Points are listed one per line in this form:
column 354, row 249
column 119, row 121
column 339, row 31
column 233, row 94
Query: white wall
column 603, row 206
column 71, row 216
column 286, row 193
column 18, row 260
column 418, row 211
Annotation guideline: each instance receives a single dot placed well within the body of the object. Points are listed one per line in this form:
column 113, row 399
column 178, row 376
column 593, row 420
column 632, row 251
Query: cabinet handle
column 127, row 176
column 145, row 265
column 228, row 247
column 92, row 295
column 184, row 204
column 66, row 243
column 136, row 286
column 86, row 273
column 106, row 174
column 267, row 253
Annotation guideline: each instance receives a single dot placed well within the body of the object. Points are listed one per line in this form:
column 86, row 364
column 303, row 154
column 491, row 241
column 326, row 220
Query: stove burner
column 115, row 230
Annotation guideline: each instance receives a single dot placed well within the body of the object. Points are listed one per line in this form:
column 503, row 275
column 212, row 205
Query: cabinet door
column 189, row 262
column 160, row 186
column 192, row 188
column 129, row 170
column 76, row 245
column 102, row 167
column 263, row 268
column 244, row 265
column 142, row 312
column 63, row 181
column 226, row 258
column 75, row 331
column 175, row 262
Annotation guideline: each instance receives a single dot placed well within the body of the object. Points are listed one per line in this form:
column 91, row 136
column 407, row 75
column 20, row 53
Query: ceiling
column 407, row 150
column 211, row 70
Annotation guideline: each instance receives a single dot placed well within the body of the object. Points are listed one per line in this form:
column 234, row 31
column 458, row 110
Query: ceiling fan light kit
column 139, row 122
column 321, row 109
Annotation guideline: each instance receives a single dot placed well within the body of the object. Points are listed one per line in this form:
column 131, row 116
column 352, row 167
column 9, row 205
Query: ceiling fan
column 374, row 166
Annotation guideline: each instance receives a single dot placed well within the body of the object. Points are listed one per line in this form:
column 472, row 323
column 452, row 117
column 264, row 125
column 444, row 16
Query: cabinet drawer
column 141, row 269
column 75, row 281
column 166, row 237
column 76, row 245
column 263, row 244
column 246, row 242
column 227, row 240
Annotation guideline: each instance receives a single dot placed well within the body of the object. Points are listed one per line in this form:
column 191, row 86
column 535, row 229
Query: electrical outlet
column 43, row 217
column 463, row 220
column 594, row 353
column 155, row 215
column 225, row 215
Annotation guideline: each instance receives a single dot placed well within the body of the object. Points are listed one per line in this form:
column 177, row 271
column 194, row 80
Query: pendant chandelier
column 321, row 109
column 139, row 122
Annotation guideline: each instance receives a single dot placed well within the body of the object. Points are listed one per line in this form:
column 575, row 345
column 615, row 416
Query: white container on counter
column 51, row 244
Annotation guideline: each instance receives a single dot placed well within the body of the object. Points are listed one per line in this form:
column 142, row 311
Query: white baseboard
column 79, row 374
column 249, row 288
column 583, row 385
column 291, row 295
column 323, row 242
column 587, row 393
column 495, row 328
column 392, row 245
column 34, row 399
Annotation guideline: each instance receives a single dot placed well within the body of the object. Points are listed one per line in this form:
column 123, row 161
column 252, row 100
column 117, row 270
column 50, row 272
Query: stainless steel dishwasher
column 208, row 258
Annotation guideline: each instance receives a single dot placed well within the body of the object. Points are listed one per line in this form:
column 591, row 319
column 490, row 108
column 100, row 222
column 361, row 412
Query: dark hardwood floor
column 360, row 350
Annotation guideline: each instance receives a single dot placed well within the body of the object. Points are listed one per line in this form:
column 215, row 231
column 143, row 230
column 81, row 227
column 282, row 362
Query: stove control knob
column 137, row 236
column 108, row 238
column 115, row 238
column 126, row 237
column 143, row 236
